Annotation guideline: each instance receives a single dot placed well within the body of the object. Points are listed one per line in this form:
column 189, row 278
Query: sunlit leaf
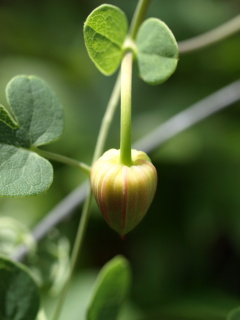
column 157, row 51
column 111, row 288
column 104, row 32
column 19, row 296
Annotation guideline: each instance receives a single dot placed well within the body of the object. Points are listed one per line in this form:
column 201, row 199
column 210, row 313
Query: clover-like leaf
column 23, row 172
column 34, row 118
column 36, row 110
column 157, row 51
column 104, row 32
column 19, row 295
column 111, row 288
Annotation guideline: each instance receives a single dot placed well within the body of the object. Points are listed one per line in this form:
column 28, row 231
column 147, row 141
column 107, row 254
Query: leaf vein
column 105, row 37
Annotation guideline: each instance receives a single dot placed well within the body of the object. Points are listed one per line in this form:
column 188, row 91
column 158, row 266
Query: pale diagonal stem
column 215, row 35
column 107, row 119
column 187, row 118
column 74, row 256
column 204, row 108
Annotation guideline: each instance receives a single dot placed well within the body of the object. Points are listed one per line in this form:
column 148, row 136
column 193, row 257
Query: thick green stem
column 63, row 159
column 126, row 109
column 138, row 17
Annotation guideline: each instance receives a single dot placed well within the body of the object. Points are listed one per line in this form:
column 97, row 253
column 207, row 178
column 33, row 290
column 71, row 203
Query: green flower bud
column 123, row 193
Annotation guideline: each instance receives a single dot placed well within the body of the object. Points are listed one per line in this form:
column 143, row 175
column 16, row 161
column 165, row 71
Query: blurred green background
column 185, row 255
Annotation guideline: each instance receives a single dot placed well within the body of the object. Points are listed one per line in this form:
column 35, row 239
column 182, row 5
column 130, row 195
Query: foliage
column 157, row 54
column 110, row 291
column 105, row 31
column 19, row 297
column 36, row 119
column 185, row 256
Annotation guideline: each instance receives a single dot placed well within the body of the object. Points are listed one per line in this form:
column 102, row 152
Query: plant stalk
column 107, row 119
column 138, row 17
column 126, row 106
column 66, row 160
column 104, row 129
column 210, row 105
column 102, row 136
column 105, row 125
column 75, row 252
column 209, row 38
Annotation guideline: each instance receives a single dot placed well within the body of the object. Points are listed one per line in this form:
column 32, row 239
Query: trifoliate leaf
column 34, row 118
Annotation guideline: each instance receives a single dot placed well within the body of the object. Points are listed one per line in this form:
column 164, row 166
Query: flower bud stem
column 126, row 101
column 139, row 14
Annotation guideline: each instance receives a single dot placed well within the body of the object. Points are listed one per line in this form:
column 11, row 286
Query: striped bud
column 123, row 193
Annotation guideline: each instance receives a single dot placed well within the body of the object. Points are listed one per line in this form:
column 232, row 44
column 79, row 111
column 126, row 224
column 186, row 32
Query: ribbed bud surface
column 123, row 193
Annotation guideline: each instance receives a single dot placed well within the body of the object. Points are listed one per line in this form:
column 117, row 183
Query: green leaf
column 157, row 51
column 104, row 32
column 36, row 109
column 34, row 118
column 23, row 172
column 19, row 296
column 111, row 288
column 234, row 314
column 8, row 127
